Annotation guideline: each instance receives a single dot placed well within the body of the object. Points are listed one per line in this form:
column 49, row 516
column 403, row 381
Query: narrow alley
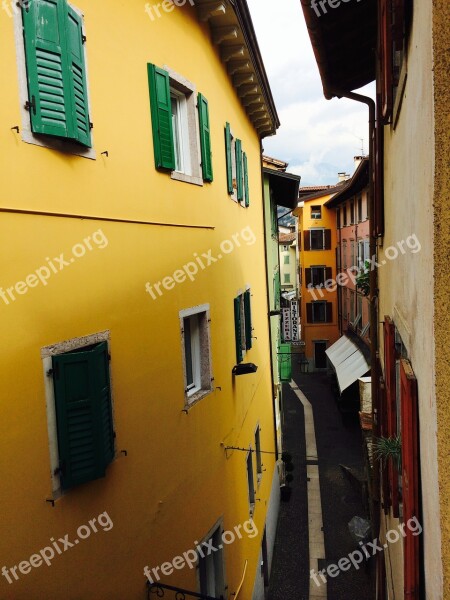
column 338, row 443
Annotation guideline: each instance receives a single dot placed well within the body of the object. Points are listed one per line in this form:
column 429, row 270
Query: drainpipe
column 373, row 299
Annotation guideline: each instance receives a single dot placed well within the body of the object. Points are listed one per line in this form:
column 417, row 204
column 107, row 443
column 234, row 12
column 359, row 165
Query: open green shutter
column 80, row 126
column 240, row 186
column 285, row 362
column 161, row 110
column 237, row 329
column 205, row 138
column 246, row 188
column 83, row 414
column 248, row 319
column 49, row 99
column 229, row 158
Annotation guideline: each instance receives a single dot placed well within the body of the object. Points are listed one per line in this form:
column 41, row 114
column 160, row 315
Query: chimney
column 343, row 177
column 358, row 160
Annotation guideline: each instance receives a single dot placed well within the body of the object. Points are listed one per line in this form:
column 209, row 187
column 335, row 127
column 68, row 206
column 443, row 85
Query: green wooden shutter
column 237, row 329
column 248, row 319
column 285, row 362
column 205, row 138
column 246, row 188
column 161, row 111
column 49, row 98
column 240, row 187
column 229, row 158
column 81, row 129
column 83, row 414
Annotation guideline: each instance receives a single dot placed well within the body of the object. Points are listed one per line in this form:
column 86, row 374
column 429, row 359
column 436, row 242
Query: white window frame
column 186, row 93
column 47, row 364
column 202, row 364
column 316, row 215
column 28, row 136
column 204, row 543
column 250, row 473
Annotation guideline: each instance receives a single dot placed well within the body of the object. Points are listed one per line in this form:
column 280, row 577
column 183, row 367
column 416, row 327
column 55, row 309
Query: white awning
column 348, row 362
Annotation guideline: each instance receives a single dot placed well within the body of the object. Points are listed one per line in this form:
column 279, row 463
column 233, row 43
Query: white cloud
column 318, row 137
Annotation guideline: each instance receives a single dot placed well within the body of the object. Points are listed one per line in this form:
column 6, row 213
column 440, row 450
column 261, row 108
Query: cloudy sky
column 317, row 137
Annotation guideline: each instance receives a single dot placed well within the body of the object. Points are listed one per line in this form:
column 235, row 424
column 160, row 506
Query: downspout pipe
column 373, row 298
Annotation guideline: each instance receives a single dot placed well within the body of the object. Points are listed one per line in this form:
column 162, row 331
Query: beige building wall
column 412, row 182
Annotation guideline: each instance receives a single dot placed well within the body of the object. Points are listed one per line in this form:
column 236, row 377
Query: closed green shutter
column 161, row 110
column 285, row 362
column 83, row 414
column 205, row 138
column 237, row 329
column 81, row 129
column 246, row 189
column 248, row 319
column 47, row 67
column 239, row 178
column 229, row 158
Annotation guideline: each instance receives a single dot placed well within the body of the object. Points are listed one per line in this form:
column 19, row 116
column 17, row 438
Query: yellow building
column 319, row 306
column 136, row 434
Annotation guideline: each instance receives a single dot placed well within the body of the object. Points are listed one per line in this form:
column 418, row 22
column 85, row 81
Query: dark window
column 338, row 218
column 352, row 212
column 344, row 215
column 317, row 239
column 360, row 215
column 318, row 275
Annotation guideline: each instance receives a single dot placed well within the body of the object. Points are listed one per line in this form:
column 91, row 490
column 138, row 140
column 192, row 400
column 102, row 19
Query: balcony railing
column 159, row 590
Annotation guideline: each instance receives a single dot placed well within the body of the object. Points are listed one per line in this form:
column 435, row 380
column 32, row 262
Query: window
column 319, row 312
column 317, row 239
column 344, row 254
column 250, row 481
column 352, row 306
column 344, row 215
column 360, row 209
column 176, row 109
column 84, row 420
column 352, row 212
column 258, row 454
column 211, row 566
column 287, row 278
column 52, row 64
column 237, row 170
column 243, row 324
column 393, row 37
column 352, row 253
column 316, row 212
column 196, row 353
column 338, row 218
column 287, row 259
column 316, row 276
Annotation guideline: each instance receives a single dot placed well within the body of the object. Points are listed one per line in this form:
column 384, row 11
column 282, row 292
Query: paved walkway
column 338, row 443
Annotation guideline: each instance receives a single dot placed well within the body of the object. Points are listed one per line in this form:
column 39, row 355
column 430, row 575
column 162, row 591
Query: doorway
column 320, row 358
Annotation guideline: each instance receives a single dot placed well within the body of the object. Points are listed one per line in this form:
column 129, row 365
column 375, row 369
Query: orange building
column 319, row 305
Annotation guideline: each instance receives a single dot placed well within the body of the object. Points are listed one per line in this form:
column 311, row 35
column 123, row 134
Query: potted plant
column 363, row 279
column 386, row 449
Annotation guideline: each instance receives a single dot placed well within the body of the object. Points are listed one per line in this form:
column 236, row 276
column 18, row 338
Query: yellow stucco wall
column 176, row 481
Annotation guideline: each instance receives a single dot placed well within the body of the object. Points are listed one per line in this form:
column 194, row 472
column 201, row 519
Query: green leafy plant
column 386, row 449
column 363, row 279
